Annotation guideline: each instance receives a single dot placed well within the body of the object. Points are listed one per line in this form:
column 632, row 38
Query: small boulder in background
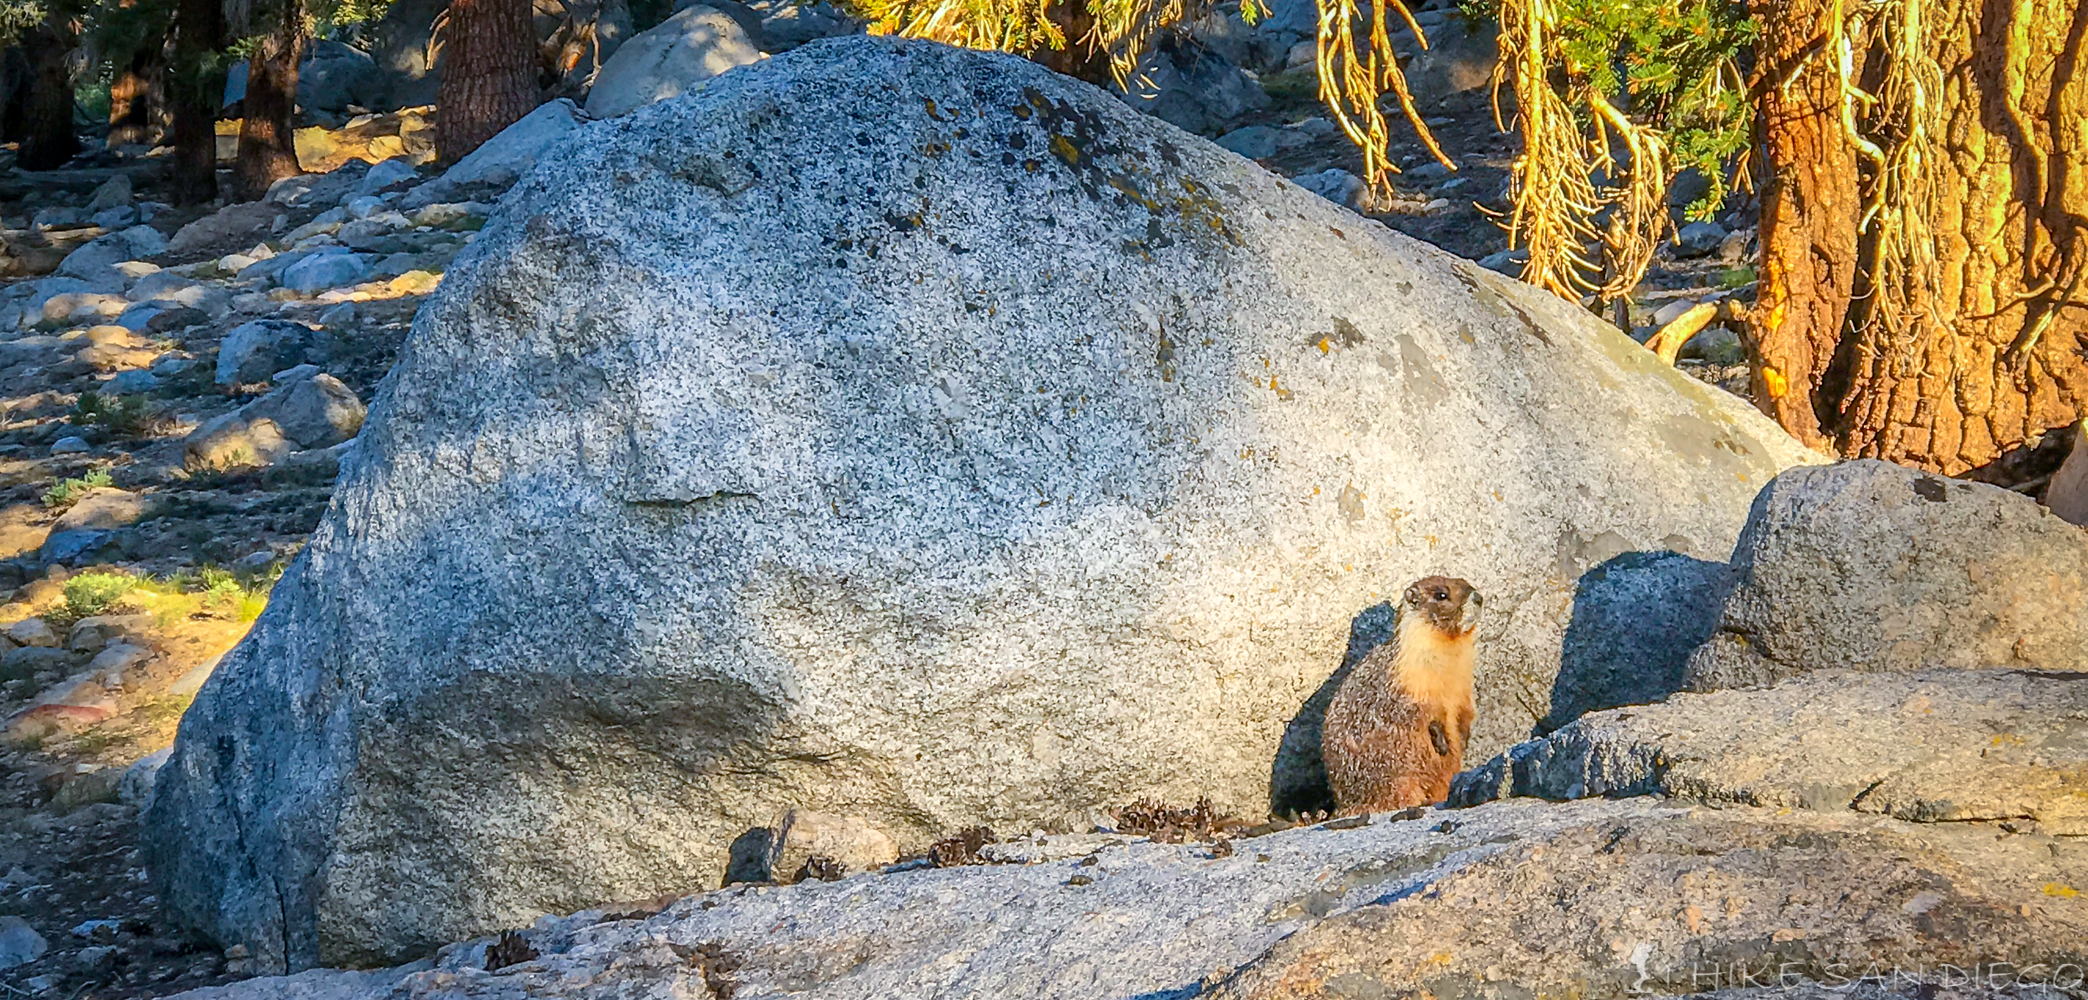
column 1866, row 565
column 694, row 45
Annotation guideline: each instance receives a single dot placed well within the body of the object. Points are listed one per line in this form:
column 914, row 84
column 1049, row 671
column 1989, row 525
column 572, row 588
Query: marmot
column 1396, row 731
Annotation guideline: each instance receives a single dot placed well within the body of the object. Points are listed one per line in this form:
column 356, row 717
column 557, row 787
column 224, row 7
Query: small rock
column 171, row 364
column 363, row 206
column 1334, row 184
column 254, row 351
column 99, row 785
column 19, row 943
column 1508, row 262
column 59, row 217
column 850, row 842
column 393, row 265
column 1717, row 344
column 1866, row 565
column 441, row 213
column 103, row 931
column 113, row 193
column 319, row 272
column 234, row 263
column 32, row 632
column 1191, row 87
column 87, row 638
column 1253, row 142
column 1698, row 239
column 116, row 218
column 111, row 664
column 255, row 560
column 1734, row 248
column 75, row 547
column 289, row 375
column 98, row 960
column 385, row 175
column 1313, row 129
column 139, row 317
column 1426, row 172
column 71, row 444
column 162, row 282
column 246, row 221
column 309, row 413
column 131, row 383
column 103, row 507
column 28, row 661
column 138, row 779
column 338, row 316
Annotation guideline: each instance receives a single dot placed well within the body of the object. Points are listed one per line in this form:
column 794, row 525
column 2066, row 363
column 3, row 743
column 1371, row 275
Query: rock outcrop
column 899, row 432
column 1923, row 746
column 1715, row 900
column 1602, row 900
column 1870, row 566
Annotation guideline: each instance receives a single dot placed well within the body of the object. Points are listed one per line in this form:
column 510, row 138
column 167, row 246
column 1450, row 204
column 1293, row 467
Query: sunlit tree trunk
column 267, row 142
column 1810, row 209
column 1966, row 359
column 489, row 73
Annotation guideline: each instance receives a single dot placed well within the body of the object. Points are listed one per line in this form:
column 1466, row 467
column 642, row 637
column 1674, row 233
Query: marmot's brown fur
column 1395, row 733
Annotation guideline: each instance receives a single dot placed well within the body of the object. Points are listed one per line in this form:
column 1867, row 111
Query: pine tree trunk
column 267, row 145
column 14, row 94
column 196, row 89
column 1962, row 361
column 131, row 99
column 1955, row 388
column 48, row 137
column 489, row 70
column 1809, row 218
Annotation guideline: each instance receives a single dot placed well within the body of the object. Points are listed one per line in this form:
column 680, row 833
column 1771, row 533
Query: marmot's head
column 1447, row 603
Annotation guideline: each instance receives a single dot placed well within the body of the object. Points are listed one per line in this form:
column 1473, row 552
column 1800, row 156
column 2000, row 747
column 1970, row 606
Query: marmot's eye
column 1442, row 595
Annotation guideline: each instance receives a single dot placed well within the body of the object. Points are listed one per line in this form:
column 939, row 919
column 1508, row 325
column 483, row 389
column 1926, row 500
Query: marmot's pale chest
column 1395, row 734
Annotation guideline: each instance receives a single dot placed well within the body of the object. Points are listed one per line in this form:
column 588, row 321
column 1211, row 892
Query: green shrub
column 65, row 491
column 92, row 593
column 125, row 415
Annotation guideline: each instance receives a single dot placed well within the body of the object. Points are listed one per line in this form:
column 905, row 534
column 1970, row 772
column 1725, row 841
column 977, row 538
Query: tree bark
column 131, row 99
column 1810, row 207
column 267, row 143
column 48, row 137
column 489, row 71
column 196, row 89
column 14, row 94
column 1076, row 60
column 1958, row 388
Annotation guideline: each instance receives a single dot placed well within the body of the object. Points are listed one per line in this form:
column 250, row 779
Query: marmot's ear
column 1438, row 737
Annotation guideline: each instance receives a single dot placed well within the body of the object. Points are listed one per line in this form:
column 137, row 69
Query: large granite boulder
column 902, row 432
column 1870, row 566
